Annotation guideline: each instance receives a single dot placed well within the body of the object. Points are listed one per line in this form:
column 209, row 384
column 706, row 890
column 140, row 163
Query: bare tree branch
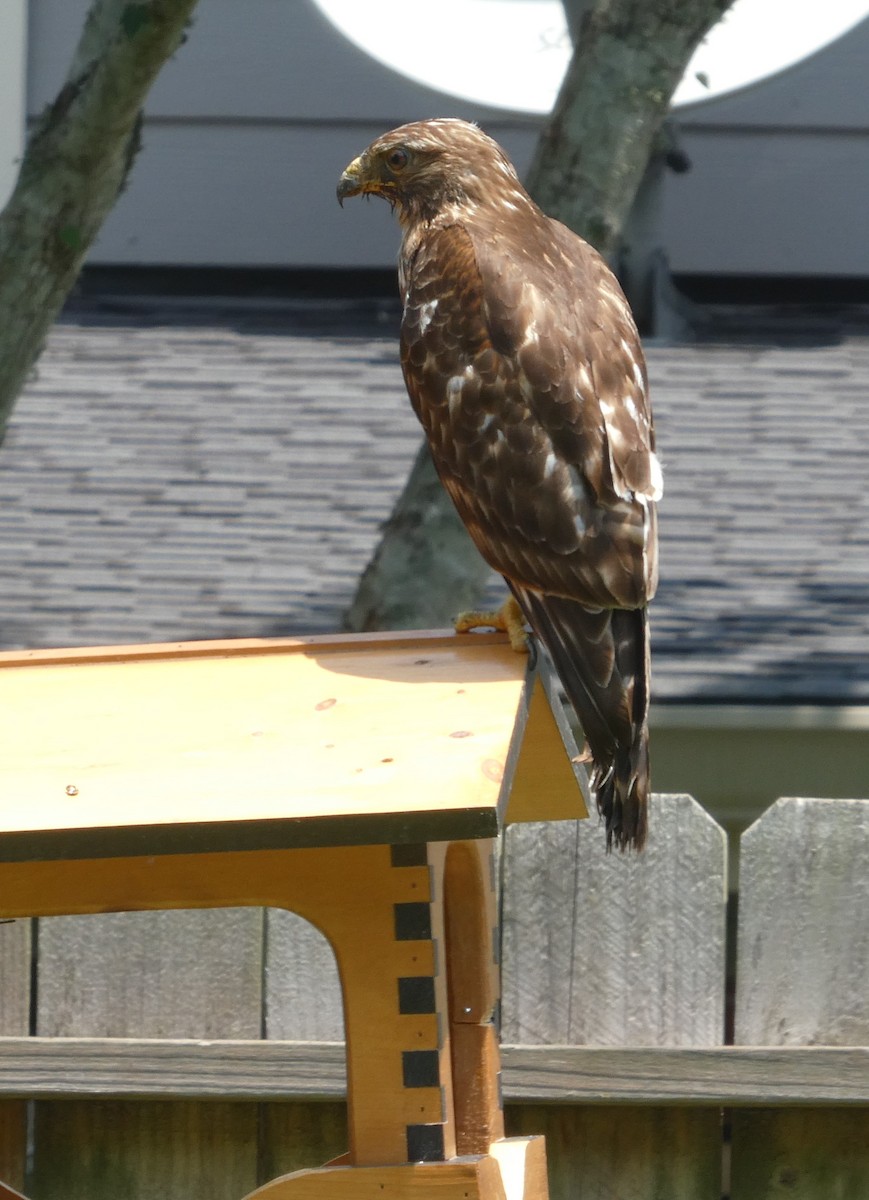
column 76, row 164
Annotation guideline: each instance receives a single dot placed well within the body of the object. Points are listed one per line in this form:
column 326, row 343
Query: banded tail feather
column 601, row 657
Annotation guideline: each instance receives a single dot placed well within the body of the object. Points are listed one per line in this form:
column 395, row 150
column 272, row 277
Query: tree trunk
column 76, row 163
column 587, row 170
column 426, row 569
column 593, row 151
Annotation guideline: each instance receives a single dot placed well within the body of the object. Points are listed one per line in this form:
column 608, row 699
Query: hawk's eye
column 397, row 159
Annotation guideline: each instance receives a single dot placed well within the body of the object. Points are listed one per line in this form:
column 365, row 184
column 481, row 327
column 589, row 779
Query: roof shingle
column 192, row 469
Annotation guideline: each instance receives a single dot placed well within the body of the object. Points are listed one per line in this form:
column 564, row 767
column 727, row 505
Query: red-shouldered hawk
column 524, row 366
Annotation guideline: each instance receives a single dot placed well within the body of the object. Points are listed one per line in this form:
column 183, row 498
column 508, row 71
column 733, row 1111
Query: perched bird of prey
column 523, row 364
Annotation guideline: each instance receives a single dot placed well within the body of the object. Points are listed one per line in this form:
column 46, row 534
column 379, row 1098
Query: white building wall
column 250, row 125
column 13, row 54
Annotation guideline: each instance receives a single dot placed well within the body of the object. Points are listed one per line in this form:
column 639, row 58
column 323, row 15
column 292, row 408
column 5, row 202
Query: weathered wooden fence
column 615, row 978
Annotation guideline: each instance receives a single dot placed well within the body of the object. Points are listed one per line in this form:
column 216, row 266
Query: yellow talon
column 507, row 619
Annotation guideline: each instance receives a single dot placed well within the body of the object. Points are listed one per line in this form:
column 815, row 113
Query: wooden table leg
column 416, row 954
column 473, row 985
column 387, row 938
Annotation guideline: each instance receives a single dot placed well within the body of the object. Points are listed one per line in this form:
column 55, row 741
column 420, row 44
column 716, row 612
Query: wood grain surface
column 729, row 1076
column 803, row 979
column 615, row 949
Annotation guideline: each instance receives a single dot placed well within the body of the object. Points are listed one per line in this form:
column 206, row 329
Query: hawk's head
column 423, row 167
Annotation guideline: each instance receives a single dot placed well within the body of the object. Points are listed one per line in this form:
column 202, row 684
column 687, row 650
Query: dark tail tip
column 622, row 801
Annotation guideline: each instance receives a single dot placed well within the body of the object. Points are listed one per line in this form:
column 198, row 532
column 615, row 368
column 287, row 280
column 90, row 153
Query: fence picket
column 619, row 950
column 15, row 943
column 160, row 974
column 803, row 979
column 166, row 974
column 302, row 989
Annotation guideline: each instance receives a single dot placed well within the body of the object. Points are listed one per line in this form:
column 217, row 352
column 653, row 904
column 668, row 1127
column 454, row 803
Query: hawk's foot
column 507, row 619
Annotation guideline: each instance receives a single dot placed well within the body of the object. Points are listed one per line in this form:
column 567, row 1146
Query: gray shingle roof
column 765, row 550
column 193, row 469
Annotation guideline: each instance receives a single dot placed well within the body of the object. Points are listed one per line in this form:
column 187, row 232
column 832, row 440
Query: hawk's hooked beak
column 350, row 183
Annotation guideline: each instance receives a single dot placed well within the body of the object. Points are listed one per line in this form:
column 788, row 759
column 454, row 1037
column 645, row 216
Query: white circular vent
column 512, row 54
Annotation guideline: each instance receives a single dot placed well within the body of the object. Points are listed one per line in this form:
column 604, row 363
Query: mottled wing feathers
column 500, row 357
column 600, row 320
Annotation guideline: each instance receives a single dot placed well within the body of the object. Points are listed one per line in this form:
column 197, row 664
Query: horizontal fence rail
column 730, row 1076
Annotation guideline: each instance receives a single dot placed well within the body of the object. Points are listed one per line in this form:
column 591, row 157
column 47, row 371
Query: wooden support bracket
column 514, row 1167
